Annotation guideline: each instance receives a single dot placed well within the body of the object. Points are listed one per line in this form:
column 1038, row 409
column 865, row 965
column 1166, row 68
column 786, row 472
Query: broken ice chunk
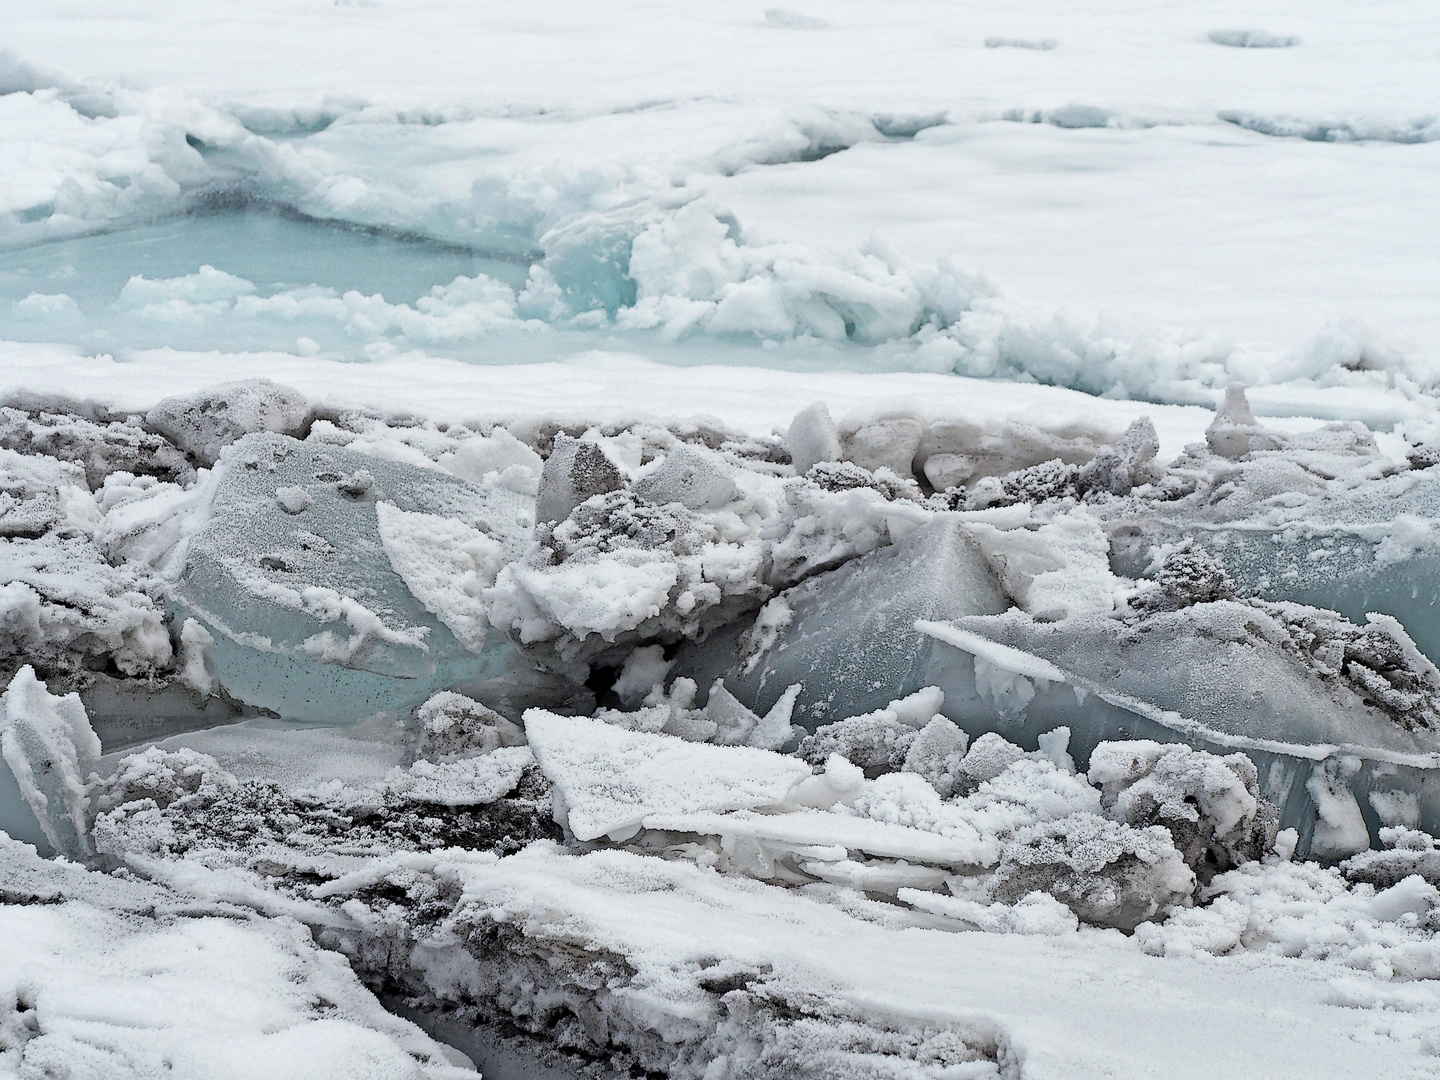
column 1109, row 874
column 50, row 751
column 887, row 441
column 936, row 754
column 1126, row 465
column 1210, row 804
column 850, row 640
column 205, row 423
column 293, row 500
column 574, row 471
column 643, row 671
column 738, row 726
column 311, row 615
column 608, row 780
column 698, row 480
column 1222, row 676
column 812, row 438
column 454, row 726
column 1037, row 913
column 1340, row 828
column 880, row 741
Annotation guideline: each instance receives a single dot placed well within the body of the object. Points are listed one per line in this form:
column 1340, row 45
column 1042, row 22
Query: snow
column 609, row 780
column 120, row 979
column 1084, row 1006
column 1016, row 423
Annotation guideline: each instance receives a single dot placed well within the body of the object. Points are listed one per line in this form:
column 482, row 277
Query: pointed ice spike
column 50, row 750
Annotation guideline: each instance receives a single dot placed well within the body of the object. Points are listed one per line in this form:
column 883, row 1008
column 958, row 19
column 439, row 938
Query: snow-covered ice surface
column 719, row 540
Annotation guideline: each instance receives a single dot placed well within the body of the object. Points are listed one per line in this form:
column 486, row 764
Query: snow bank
column 124, row 979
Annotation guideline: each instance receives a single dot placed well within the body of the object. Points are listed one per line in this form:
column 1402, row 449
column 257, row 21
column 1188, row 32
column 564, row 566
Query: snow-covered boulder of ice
column 362, row 595
column 609, row 780
column 454, row 726
column 619, row 571
column 477, row 780
column 1211, row 805
column 694, row 478
column 847, row 636
column 813, row 438
column 49, row 751
column 205, row 423
column 1106, row 872
column 697, row 539
column 936, row 754
column 879, row 741
column 574, row 471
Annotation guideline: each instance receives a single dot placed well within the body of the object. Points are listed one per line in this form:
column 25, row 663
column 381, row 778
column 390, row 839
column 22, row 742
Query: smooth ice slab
column 848, row 636
column 1215, row 676
column 301, row 571
column 609, row 780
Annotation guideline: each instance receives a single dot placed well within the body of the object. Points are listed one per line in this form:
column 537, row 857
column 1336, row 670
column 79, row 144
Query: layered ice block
column 337, row 584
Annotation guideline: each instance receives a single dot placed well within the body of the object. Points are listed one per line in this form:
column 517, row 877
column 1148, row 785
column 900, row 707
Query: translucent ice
column 1223, row 676
column 310, row 611
column 850, row 637
column 49, row 751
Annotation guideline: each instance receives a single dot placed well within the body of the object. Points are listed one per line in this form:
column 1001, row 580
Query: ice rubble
column 1323, row 518
column 950, row 654
column 665, row 963
column 642, row 537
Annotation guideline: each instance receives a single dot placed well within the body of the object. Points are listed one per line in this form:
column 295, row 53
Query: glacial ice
column 310, row 613
column 848, row 636
column 49, row 751
column 1321, row 518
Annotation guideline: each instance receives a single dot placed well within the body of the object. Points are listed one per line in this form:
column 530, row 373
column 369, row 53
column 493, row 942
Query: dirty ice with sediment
column 836, row 540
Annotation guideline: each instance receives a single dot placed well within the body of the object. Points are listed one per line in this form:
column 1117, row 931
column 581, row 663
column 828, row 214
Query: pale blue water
column 275, row 250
